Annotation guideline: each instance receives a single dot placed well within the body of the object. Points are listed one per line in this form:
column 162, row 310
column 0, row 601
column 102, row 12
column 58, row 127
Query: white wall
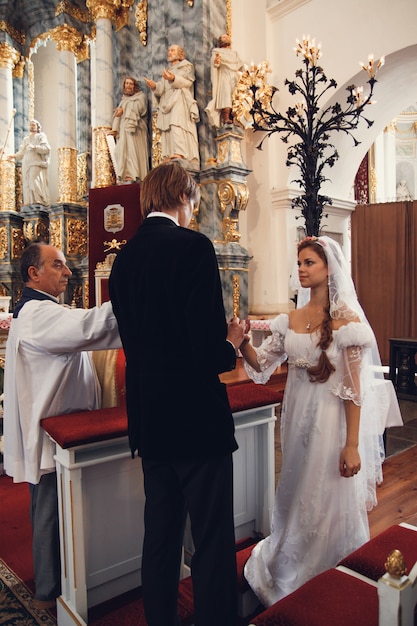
column 347, row 32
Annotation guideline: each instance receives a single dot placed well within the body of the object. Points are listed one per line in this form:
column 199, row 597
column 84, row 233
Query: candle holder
column 306, row 126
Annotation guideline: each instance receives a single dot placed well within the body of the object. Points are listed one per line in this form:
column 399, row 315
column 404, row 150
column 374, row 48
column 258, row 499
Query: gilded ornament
column 229, row 17
column 17, row 35
column 236, row 294
column 67, row 175
column 76, row 237
column 3, row 242
column 103, row 171
column 55, row 233
column 395, row 564
column 156, row 142
column 7, row 185
column 19, row 68
column 68, row 39
column 8, row 56
column 114, row 245
column 141, row 21
column 65, row 6
column 115, row 10
column 252, row 84
column 18, row 242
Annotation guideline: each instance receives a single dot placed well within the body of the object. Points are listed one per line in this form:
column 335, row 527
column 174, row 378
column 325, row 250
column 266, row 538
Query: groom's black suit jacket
column 167, row 297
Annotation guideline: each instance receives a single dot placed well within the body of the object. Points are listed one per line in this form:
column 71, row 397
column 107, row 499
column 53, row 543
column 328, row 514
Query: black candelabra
column 306, row 127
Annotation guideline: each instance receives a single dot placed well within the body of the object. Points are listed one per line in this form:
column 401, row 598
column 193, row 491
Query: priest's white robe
column 48, row 371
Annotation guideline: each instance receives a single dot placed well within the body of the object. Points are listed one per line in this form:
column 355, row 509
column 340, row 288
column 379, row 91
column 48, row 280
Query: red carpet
column 16, row 551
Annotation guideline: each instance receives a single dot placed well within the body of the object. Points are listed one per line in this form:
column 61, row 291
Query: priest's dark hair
column 31, row 256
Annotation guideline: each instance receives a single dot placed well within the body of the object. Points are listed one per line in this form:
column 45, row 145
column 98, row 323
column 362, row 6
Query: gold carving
column 115, row 10
column 141, row 23
column 86, row 294
column 3, row 242
column 67, row 175
column 8, row 56
column 252, row 81
column 236, row 294
column 156, row 142
column 114, row 245
column 103, row 171
column 82, row 179
column 222, row 150
column 76, row 237
column 35, row 230
column 64, row 6
column 229, row 17
column 14, row 34
column 395, row 564
column 18, row 242
column 19, row 68
column 55, row 233
column 7, row 185
column 68, row 39
column 235, row 151
column 233, row 198
column 190, row 3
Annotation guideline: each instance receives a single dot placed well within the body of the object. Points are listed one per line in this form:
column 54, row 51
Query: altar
column 101, row 496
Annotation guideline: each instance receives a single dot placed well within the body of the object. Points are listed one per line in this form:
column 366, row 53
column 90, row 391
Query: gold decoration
column 115, row 10
column 64, row 6
column 7, row 185
column 18, row 243
column 82, row 179
column 3, row 242
column 229, row 17
column 236, row 294
column 76, row 237
column 103, row 173
column 233, row 198
column 141, row 21
column 19, row 68
column 8, row 56
column 14, row 34
column 18, row 188
column 156, row 142
column 190, row 3
column 86, row 294
column 114, row 244
column 55, row 233
column 395, row 564
column 68, row 39
column 243, row 95
column 67, row 175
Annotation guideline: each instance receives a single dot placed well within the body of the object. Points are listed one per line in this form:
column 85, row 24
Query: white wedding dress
column 319, row 517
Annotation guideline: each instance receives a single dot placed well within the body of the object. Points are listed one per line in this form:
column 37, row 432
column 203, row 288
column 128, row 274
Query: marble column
column 8, row 59
column 105, row 13
column 224, row 195
column 68, row 41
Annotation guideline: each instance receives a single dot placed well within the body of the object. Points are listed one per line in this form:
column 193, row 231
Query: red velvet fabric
column 369, row 559
column 329, row 599
column 249, row 395
column 241, row 557
column 76, row 429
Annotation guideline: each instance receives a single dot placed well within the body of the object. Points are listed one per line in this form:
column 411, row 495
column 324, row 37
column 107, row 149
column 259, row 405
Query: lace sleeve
column 271, row 352
column 349, row 388
column 351, row 340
